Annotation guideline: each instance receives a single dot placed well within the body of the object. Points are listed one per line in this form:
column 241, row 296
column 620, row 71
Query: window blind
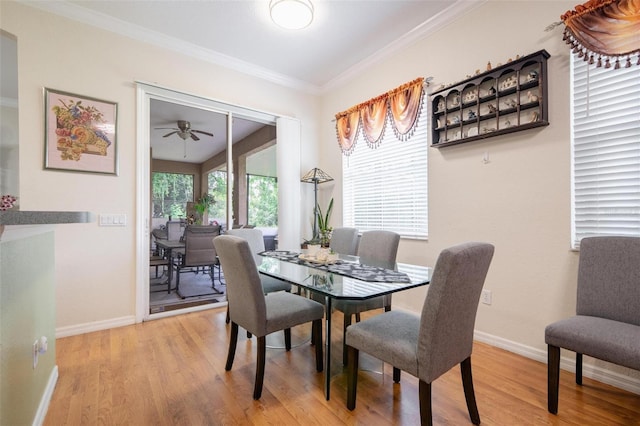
column 386, row 188
column 606, row 151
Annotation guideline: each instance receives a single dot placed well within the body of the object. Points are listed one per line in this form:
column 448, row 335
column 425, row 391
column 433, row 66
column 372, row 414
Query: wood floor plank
column 171, row 372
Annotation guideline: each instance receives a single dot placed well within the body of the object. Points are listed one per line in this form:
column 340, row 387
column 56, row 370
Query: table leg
column 170, row 273
column 327, row 352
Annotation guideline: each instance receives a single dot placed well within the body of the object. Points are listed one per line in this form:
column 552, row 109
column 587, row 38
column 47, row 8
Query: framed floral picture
column 80, row 133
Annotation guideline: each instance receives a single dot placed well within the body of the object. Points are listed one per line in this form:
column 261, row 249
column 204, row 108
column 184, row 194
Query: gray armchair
column 376, row 248
column 344, row 241
column 607, row 321
column 198, row 252
column 260, row 315
column 429, row 345
column 256, row 243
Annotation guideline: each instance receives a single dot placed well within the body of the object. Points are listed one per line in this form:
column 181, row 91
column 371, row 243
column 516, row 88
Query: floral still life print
column 81, row 133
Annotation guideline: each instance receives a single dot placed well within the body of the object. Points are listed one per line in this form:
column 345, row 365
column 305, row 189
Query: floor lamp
column 315, row 176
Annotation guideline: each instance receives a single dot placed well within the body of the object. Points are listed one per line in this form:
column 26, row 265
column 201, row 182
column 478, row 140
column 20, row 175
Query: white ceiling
column 345, row 37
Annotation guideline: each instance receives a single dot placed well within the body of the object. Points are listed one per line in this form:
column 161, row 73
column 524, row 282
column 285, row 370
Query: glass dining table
column 345, row 279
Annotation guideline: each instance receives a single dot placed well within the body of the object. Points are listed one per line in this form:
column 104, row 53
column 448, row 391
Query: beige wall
column 519, row 201
column 95, row 266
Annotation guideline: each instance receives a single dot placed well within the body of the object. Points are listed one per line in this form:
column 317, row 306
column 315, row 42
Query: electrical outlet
column 485, row 297
column 34, row 351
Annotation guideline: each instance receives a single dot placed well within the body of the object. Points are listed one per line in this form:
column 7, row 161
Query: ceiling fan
column 184, row 130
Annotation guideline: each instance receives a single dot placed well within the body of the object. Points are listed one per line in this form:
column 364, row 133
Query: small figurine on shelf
column 507, row 123
column 532, row 97
column 489, row 66
column 455, row 119
column 491, row 91
column 471, row 114
column 440, row 105
column 511, row 103
column 471, row 95
column 532, row 76
column 534, row 117
column 492, row 108
column 455, row 101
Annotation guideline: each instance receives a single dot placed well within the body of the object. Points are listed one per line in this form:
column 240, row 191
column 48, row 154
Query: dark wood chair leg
column 287, row 339
column 352, row 377
column 228, row 318
column 469, row 394
column 233, row 341
column 553, row 378
column 358, row 317
column 396, row 375
column 579, row 368
column 424, row 394
column 262, row 353
column 347, row 323
column 317, row 334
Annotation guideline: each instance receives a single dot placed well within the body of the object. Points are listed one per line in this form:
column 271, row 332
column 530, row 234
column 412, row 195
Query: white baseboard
column 591, row 371
column 46, row 398
column 94, row 326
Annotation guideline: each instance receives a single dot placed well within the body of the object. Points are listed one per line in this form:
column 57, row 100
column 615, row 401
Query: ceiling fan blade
column 171, row 133
column 194, row 137
column 165, row 128
column 204, row 133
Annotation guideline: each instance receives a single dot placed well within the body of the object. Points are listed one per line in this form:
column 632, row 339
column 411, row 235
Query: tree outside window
column 170, row 194
column 263, row 200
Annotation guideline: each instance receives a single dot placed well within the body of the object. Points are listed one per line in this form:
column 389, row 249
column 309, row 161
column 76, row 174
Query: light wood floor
column 171, row 372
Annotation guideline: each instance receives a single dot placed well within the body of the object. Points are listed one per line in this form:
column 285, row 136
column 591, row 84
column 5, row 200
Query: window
column 217, row 183
column 386, row 187
column 606, row 151
column 262, row 200
column 170, row 194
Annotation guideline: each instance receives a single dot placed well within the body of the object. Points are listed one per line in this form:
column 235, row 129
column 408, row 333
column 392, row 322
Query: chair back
column 198, row 245
column 344, row 241
column 379, row 248
column 247, row 306
column 174, row 230
column 254, row 237
column 609, row 278
column 449, row 311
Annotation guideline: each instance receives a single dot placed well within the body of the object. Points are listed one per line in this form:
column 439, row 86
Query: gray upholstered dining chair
column 256, row 243
column 429, row 345
column 607, row 321
column 376, row 248
column 344, row 241
column 198, row 252
column 260, row 315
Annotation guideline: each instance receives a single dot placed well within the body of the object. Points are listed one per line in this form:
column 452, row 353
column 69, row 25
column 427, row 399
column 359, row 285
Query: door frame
column 288, row 156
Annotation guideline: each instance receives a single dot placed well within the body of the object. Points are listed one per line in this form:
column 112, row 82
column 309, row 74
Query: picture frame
column 80, row 133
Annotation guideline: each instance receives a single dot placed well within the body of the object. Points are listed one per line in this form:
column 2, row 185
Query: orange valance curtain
column 401, row 105
column 604, row 30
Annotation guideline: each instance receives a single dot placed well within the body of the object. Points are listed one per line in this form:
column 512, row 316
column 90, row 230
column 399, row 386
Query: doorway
column 222, row 159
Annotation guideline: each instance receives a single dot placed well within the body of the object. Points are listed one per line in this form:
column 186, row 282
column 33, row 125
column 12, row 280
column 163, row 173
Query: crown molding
column 111, row 24
column 118, row 26
column 428, row 27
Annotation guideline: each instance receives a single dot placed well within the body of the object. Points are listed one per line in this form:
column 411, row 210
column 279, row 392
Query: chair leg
column 553, row 378
column 317, row 335
column 233, row 341
column 262, row 349
column 396, row 375
column 424, row 394
column 347, row 323
column 287, row 339
column 178, row 281
column 228, row 318
column 469, row 394
column 352, row 376
column 579, row 368
column 358, row 317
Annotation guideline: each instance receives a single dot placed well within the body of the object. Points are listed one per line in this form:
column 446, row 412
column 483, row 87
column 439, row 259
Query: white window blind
column 606, row 150
column 386, row 188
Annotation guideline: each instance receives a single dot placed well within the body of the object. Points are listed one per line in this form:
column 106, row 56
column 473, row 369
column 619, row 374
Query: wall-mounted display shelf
column 506, row 99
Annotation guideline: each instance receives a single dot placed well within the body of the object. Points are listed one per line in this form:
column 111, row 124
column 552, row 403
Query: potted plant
column 324, row 230
column 202, row 207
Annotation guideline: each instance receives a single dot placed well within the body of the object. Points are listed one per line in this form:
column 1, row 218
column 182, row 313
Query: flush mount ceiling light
column 291, row 14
